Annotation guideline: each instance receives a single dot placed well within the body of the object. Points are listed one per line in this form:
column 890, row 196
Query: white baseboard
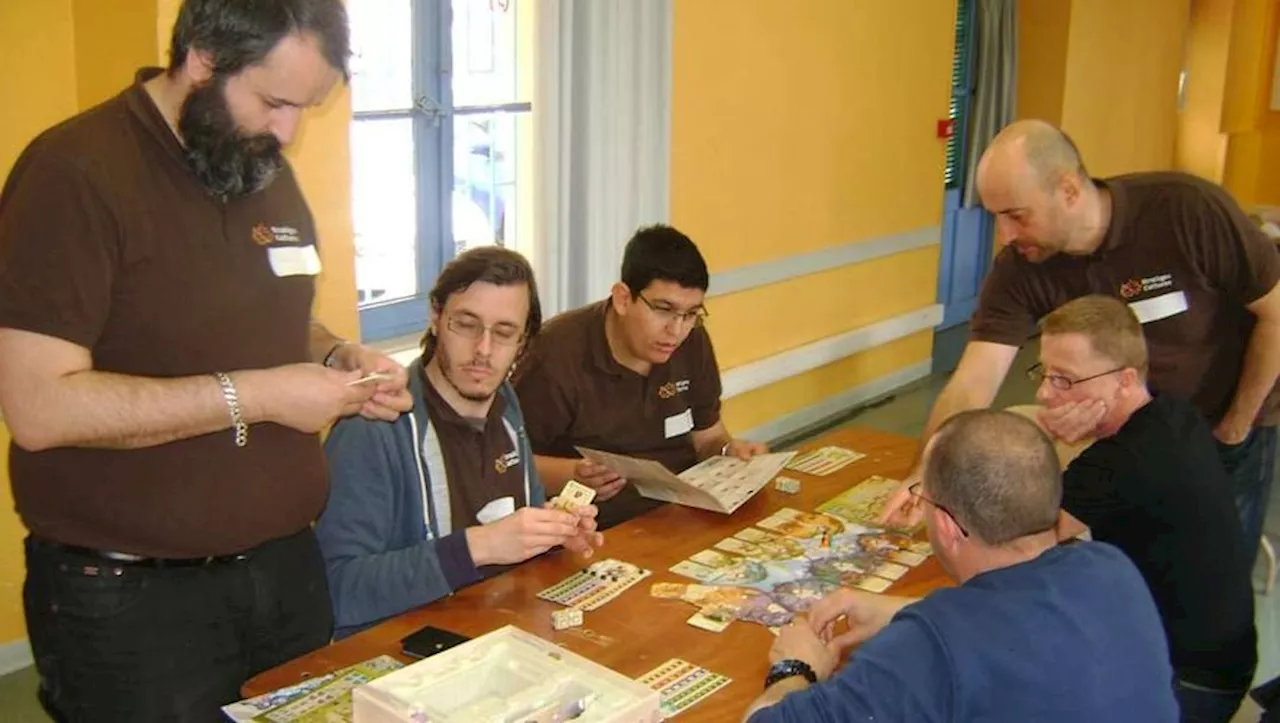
column 794, row 362
column 838, row 404
column 15, row 656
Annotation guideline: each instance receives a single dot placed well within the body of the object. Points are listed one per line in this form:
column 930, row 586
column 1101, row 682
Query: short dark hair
column 491, row 265
column 240, row 33
column 997, row 473
column 661, row 253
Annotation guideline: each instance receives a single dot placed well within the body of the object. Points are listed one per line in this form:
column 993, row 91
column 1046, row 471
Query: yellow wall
column 1115, row 88
column 113, row 39
column 1121, row 91
column 1201, row 146
column 1042, row 58
column 40, row 90
column 87, row 51
column 799, row 131
column 1252, row 169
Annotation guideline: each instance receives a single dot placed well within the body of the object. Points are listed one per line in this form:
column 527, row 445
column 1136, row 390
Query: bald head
column 997, row 473
column 1032, row 150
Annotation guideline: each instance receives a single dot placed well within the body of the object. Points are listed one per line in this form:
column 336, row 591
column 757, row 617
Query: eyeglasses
column 471, row 328
column 915, row 492
column 695, row 318
column 1037, row 374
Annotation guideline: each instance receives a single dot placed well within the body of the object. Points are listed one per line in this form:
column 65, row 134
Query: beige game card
column 873, row 584
column 712, row 619
column 752, row 534
column 574, row 494
column 737, row 547
column 701, row 573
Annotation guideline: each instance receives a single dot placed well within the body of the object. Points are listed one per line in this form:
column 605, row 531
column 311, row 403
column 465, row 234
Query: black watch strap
column 788, row 668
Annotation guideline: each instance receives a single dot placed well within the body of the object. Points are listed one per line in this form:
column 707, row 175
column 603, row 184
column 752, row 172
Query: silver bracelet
column 724, row 451
column 233, row 406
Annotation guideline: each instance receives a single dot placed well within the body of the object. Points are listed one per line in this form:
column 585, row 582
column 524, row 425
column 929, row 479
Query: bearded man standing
column 162, row 377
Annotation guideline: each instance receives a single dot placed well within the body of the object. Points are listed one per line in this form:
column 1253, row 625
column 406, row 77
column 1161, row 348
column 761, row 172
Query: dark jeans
column 119, row 642
column 1205, row 705
column 1252, row 466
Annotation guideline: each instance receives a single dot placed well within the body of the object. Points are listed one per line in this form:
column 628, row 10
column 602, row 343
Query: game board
column 768, row 573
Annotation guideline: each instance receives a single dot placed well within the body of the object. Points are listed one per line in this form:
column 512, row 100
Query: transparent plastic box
column 506, row 676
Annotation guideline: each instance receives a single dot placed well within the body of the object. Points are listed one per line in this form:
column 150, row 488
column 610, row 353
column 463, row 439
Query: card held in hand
column 574, row 494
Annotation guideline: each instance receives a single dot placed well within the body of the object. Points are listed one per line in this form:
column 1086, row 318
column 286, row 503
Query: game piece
column 567, row 618
column 790, row 485
column 598, row 584
column 574, row 494
column 681, row 685
column 711, row 619
column 701, row 573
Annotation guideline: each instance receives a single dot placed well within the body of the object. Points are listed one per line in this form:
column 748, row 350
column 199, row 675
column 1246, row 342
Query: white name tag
column 679, row 424
column 496, row 510
column 1160, row 307
column 294, row 260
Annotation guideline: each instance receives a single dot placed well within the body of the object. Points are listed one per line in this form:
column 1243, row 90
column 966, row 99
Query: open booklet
column 720, row 484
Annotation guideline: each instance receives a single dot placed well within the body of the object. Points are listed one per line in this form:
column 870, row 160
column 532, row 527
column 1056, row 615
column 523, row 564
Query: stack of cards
column 822, row 462
column 596, row 585
column 712, row 619
column 681, row 685
column 567, row 618
column 574, row 494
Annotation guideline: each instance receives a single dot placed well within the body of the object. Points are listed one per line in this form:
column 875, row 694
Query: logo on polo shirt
column 670, row 389
column 507, row 461
column 265, row 235
column 1135, row 287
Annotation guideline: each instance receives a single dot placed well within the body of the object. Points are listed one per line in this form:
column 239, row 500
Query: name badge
column 294, row 260
column 1160, row 307
column 679, row 424
column 496, row 510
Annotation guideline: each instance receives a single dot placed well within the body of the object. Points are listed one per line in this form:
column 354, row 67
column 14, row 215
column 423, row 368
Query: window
column 440, row 144
column 961, row 95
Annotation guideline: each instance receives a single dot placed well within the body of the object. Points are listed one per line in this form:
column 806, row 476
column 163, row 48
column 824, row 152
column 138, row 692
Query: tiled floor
column 905, row 414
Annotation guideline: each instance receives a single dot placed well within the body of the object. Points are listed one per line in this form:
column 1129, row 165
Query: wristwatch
column 786, row 668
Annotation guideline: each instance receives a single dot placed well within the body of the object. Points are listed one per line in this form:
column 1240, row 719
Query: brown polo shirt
column 109, row 242
column 481, row 461
column 1184, row 256
column 574, row 393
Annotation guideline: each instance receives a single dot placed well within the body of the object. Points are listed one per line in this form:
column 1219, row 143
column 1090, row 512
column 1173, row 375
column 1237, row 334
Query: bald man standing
column 1200, row 276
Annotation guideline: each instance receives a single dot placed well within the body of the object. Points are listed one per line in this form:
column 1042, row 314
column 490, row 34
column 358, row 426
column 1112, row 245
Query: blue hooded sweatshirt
column 386, row 533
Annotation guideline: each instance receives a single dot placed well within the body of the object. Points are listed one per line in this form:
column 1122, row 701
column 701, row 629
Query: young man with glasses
column 1035, row 631
column 437, row 500
column 634, row 374
column 1152, row 485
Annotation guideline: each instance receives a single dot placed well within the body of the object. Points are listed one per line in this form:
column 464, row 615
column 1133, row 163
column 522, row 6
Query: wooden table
column 635, row 632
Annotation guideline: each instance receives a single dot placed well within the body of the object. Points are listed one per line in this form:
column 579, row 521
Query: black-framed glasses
column 916, row 492
column 696, row 317
column 1037, row 374
column 471, row 328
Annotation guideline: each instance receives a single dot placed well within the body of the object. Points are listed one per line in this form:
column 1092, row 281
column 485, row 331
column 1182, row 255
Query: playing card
column 711, row 619
column 890, row 570
column 751, row 534
column 668, row 590
column 873, row 584
column 574, row 494
column 714, row 559
column 736, row 546
column 907, row 558
column 701, row 573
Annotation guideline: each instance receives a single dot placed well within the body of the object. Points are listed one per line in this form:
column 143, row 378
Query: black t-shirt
column 1157, row 490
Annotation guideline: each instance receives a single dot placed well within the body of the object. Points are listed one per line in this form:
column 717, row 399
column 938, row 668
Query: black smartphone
column 430, row 640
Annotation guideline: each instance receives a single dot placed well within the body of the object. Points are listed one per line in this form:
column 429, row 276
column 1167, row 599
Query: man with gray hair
column 1035, row 631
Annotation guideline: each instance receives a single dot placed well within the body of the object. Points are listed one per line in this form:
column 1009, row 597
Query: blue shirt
column 1070, row 636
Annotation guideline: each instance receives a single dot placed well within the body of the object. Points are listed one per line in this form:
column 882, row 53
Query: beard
column 447, row 370
column 228, row 162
